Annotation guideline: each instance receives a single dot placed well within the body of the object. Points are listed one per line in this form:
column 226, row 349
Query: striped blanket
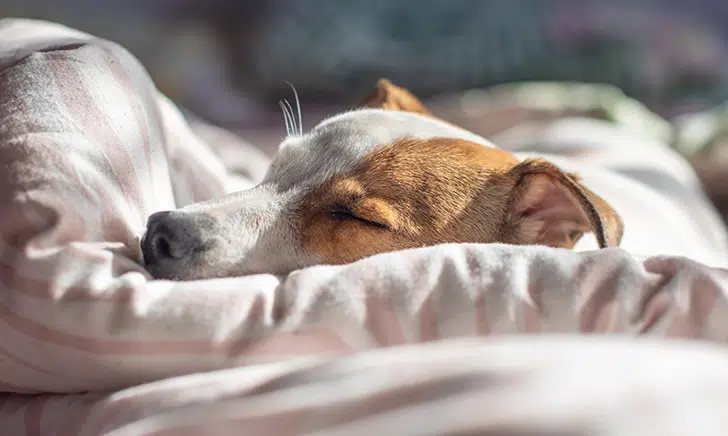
column 431, row 341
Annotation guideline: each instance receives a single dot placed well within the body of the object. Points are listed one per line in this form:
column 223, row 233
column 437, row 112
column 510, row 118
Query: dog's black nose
column 170, row 237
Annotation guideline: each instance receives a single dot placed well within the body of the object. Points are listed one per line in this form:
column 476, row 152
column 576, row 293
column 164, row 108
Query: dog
column 389, row 175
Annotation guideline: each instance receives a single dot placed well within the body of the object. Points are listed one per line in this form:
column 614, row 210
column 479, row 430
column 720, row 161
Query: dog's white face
column 383, row 178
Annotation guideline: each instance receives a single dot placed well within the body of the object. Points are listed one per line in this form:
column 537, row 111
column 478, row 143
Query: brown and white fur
column 389, row 176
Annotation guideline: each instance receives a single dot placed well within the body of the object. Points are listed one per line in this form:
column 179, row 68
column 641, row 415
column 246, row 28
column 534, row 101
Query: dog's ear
column 550, row 207
column 387, row 95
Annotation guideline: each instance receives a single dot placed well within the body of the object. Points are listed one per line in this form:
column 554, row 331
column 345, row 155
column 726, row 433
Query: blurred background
column 226, row 61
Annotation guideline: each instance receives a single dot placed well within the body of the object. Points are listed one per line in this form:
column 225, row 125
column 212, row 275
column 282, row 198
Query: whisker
column 286, row 118
column 293, row 119
column 298, row 106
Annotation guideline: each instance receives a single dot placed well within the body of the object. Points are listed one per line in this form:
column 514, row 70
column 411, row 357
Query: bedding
column 436, row 340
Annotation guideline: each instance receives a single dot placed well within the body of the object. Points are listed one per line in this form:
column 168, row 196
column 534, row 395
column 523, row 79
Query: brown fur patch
column 424, row 192
column 550, row 207
column 387, row 95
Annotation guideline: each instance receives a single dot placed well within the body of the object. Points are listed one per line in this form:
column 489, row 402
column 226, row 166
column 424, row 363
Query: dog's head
column 386, row 176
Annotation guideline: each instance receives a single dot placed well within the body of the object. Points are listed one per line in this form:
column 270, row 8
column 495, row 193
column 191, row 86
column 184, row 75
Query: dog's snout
column 171, row 238
column 157, row 217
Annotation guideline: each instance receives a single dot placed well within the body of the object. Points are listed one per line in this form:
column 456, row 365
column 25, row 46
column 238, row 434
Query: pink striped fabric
column 89, row 149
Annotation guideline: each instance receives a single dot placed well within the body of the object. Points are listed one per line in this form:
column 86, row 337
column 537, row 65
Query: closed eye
column 343, row 213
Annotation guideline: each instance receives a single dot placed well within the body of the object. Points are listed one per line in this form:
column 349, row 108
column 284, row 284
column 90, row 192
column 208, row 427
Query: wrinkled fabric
column 423, row 341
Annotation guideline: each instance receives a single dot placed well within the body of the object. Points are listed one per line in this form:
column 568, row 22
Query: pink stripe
column 532, row 315
column 112, row 413
column 655, row 308
column 82, row 105
column 25, row 363
column 690, row 321
column 531, row 318
column 76, row 420
column 33, row 416
column 429, row 329
column 706, row 296
column 382, row 321
column 114, row 64
column 599, row 294
column 11, row 404
column 481, row 316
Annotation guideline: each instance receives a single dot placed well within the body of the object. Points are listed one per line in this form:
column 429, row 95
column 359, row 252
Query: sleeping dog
column 389, row 175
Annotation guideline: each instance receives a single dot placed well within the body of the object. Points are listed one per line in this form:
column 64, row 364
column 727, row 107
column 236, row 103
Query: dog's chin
column 202, row 268
column 160, row 273
column 186, row 273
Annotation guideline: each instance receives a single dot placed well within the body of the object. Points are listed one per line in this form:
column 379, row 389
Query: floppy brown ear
column 551, row 207
column 387, row 95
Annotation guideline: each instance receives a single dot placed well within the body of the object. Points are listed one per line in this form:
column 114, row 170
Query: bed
column 452, row 339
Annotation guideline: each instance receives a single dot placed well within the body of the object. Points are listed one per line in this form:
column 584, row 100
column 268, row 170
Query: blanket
column 451, row 339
